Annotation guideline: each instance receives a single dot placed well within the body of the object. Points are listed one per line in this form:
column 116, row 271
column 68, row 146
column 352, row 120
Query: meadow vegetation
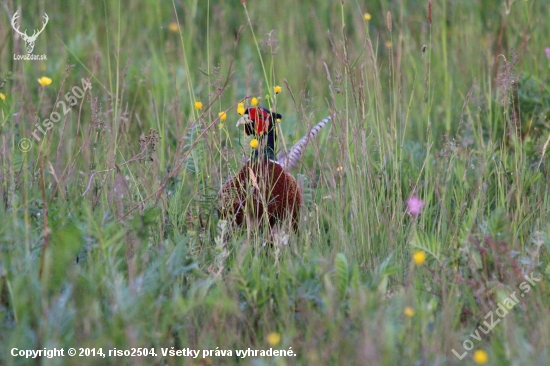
column 109, row 233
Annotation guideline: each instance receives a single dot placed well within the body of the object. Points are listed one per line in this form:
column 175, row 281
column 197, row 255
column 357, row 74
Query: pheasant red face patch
column 260, row 117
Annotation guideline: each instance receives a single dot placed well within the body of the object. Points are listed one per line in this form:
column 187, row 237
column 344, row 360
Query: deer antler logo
column 29, row 40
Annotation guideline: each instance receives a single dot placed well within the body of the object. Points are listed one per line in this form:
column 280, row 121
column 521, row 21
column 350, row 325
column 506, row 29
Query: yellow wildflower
column 278, row 120
column 409, row 312
column 273, row 338
column 240, row 108
column 254, row 102
column 173, row 27
column 481, row 357
column 254, row 143
column 277, row 89
column 44, row 81
column 2, row 96
column 222, row 115
column 198, row 106
column 419, row 257
column 367, row 16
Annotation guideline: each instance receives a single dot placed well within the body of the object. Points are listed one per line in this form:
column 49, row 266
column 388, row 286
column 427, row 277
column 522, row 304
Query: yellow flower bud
column 419, row 257
column 367, row 16
column 409, row 312
column 277, row 89
column 273, row 338
column 222, row 115
column 254, row 143
column 254, row 102
column 198, row 106
column 481, row 357
column 173, row 27
column 44, row 81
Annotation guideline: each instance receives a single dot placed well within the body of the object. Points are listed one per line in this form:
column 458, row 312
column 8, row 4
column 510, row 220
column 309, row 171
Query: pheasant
column 263, row 187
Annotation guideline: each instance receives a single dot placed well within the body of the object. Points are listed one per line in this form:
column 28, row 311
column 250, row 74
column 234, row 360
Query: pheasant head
column 260, row 123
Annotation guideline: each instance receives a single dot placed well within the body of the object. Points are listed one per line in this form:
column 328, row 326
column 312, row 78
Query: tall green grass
column 110, row 236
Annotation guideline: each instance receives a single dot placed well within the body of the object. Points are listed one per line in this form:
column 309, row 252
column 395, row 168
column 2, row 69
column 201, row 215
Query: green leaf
column 342, row 273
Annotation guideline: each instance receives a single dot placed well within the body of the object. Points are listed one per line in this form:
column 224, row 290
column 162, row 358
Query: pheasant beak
column 248, row 126
column 243, row 120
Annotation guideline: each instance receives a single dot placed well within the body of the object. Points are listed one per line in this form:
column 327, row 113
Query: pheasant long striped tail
column 290, row 159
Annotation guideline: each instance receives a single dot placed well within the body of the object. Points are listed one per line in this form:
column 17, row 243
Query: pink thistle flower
column 414, row 205
column 547, row 51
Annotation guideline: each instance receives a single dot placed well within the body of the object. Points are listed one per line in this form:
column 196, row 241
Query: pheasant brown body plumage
column 260, row 188
column 263, row 188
